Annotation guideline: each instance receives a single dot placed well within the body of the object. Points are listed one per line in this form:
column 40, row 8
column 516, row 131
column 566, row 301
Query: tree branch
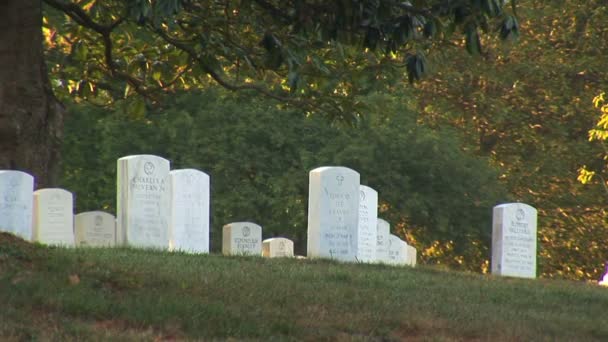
column 82, row 18
column 236, row 87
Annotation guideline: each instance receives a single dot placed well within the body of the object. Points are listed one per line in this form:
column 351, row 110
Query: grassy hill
column 75, row 294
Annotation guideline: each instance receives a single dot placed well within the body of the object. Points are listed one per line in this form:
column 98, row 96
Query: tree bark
column 31, row 118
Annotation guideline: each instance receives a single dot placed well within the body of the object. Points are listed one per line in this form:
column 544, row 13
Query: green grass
column 126, row 294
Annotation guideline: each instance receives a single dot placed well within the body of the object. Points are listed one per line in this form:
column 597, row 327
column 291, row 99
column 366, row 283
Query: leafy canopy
column 319, row 55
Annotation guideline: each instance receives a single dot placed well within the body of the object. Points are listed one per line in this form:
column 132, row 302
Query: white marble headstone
column 411, row 255
column 141, row 220
column 277, row 248
column 333, row 213
column 382, row 238
column 16, row 202
column 188, row 210
column 397, row 251
column 514, row 240
column 53, row 222
column 95, row 229
column 242, row 238
column 367, row 228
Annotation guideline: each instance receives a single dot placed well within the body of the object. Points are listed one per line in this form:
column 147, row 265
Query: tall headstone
column 333, row 213
column 141, row 220
column 367, row 229
column 16, row 201
column 242, row 238
column 514, row 240
column 188, row 210
column 277, row 248
column 397, row 251
column 382, row 240
column 95, row 229
column 53, row 222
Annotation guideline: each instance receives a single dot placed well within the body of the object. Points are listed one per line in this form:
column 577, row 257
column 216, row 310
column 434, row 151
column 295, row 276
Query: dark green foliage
column 258, row 157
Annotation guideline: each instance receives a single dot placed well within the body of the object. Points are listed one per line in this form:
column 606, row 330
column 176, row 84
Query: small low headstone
column 383, row 233
column 141, row 219
column 367, row 229
column 411, row 255
column 53, row 222
column 188, row 210
column 514, row 240
column 333, row 213
column 16, row 203
column 277, row 248
column 95, row 229
column 242, row 238
column 397, row 251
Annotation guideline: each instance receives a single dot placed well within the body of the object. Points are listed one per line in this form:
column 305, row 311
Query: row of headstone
column 343, row 221
column 390, row 249
column 343, row 225
column 157, row 206
column 44, row 215
column 245, row 238
column 170, row 209
column 160, row 208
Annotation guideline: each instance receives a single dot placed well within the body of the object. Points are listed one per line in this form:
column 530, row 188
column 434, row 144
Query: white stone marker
column 242, row 238
column 277, row 248
column 141, row 186
column 188, row 210
column 367, row 229
column 514, row 240
column 53, row 222
column 333, row 213
column 383, row 233
column 397, row 251
column 95, row 229
column 16, row 201
column 411, row 255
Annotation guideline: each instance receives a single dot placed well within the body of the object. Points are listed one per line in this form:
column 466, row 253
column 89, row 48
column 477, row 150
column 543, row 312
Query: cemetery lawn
column 125, row 294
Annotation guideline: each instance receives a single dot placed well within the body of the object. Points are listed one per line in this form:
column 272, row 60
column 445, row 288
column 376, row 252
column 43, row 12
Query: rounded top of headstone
column 324, row 169
column 12, row 179
column 395, row 238
column 366, row 191
column 239, row 224
column 94, row 212
column 196, row 172
column 55, row 192
column 279, row 239
column 383, row 222
column 16, row 173
column 383, row 228
column 519, row 205
column 147, row 156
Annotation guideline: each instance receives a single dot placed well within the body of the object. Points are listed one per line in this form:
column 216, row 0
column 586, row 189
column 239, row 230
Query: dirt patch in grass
column 113, row 327
column 16, row 253
column 14, row 246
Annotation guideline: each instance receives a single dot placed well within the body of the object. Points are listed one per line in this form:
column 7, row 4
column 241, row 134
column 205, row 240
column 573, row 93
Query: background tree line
column 510, row 121
column 258, row 156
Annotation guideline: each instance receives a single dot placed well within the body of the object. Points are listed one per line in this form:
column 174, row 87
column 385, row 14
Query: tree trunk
column 31, row 118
